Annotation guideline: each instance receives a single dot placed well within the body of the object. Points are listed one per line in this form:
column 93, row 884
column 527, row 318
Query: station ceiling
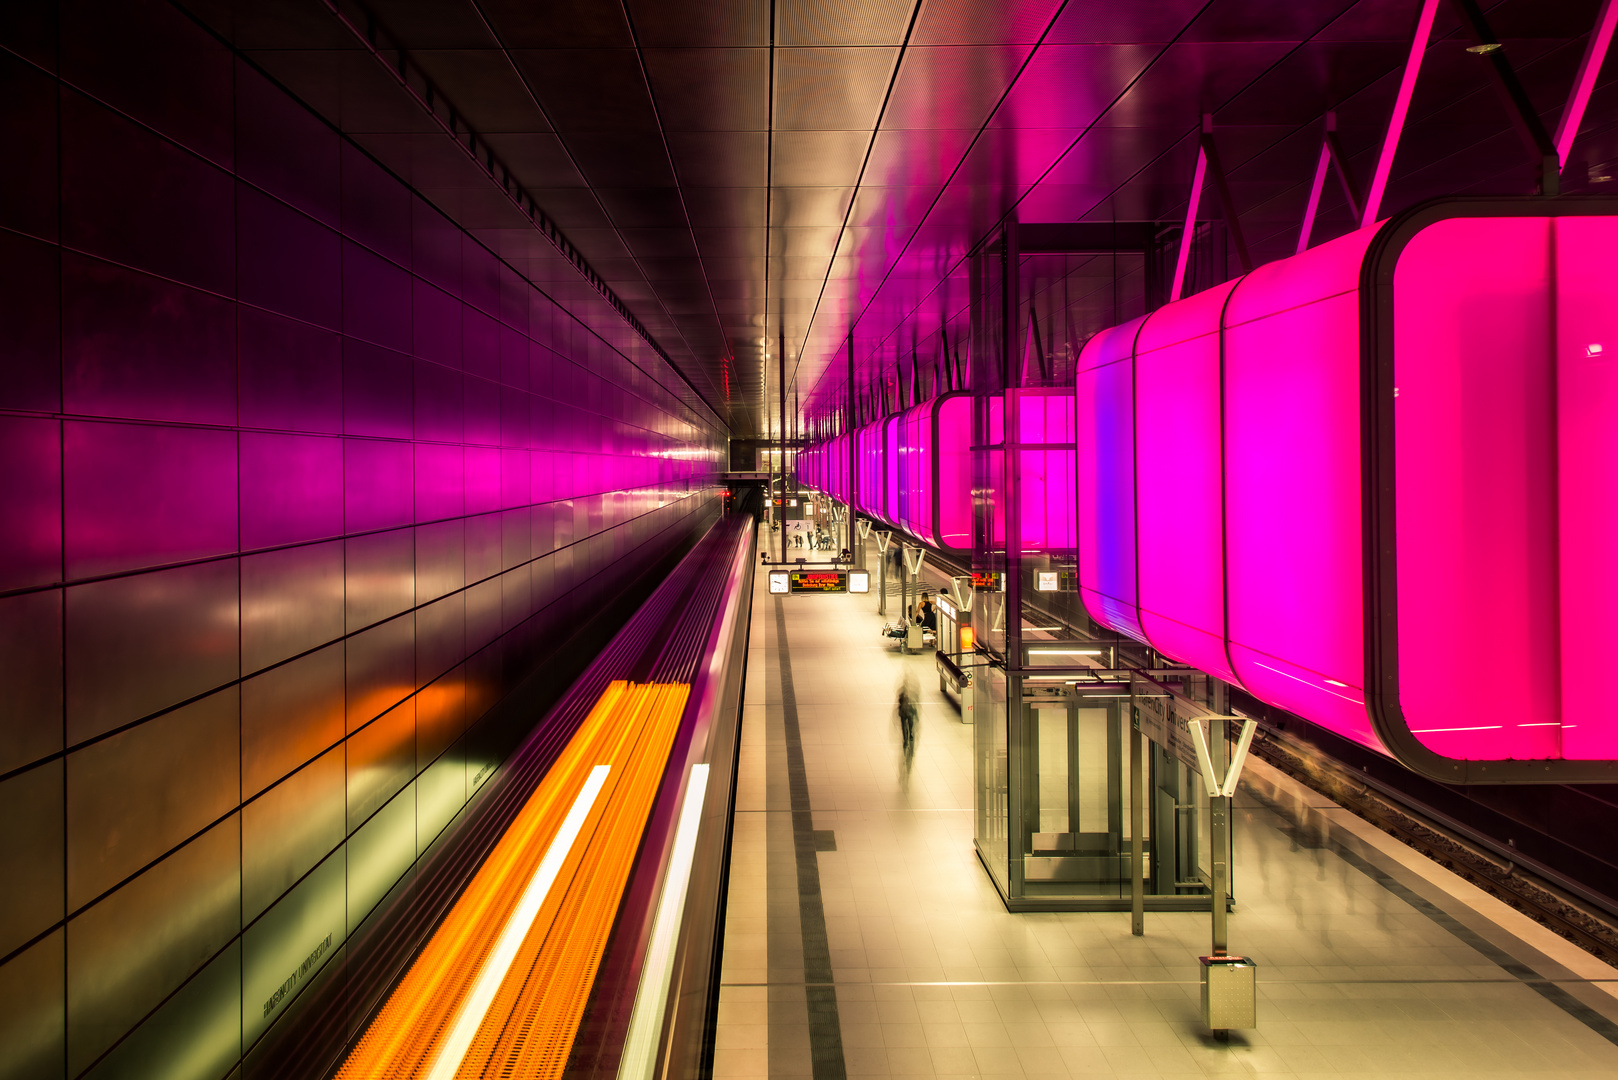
column 748, row 176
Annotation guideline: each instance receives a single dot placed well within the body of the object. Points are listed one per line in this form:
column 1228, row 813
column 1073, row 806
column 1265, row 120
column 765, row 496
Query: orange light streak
column 529, row 1029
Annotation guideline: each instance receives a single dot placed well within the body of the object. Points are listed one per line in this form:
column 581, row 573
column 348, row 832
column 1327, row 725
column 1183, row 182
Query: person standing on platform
column 909, row 715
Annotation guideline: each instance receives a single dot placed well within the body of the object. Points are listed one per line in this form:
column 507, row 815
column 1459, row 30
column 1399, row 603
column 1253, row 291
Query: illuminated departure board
column 823, row 581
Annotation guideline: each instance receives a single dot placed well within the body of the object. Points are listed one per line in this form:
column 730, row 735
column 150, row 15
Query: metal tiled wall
column 298, row 480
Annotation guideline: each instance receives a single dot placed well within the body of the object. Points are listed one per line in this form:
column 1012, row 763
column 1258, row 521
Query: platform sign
column 819, row 581
column 989, row 582
column 1155, row 716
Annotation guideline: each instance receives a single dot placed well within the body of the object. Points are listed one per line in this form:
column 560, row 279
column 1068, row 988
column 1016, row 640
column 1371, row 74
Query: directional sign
column 818, row 581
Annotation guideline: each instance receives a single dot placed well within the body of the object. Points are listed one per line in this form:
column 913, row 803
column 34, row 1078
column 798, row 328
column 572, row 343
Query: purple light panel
column 1180, row 547
column 1045, row 470
column 1105, row 409
column 1292, row 485
column 954, row 484
column 1503, row 396
column 1586, row 365
column 915, row 470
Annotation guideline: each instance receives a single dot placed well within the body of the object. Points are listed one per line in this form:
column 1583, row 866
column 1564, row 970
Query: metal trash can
column 1229, row 992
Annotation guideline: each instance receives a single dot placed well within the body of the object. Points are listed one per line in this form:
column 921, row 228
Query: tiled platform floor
column 892, row 954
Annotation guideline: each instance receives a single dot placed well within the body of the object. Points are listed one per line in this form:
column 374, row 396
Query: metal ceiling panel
column 818, row 157
column 841, row 22
column 952, row 86
column 1117, row 24
column 796, row 207
column 659, row 243
column 711, row 89
column 969, row 22
column 902, row 158
column 1072, row 85
column 598, row 90
column 541, row 24
column 831, row 88
column 642, row 207
column 717, row 206
column 619, row 159
column 540, row 158
column 717, row 23
column 688, row 144
column 496, row 100
column 1242, row 20
column 726, row 159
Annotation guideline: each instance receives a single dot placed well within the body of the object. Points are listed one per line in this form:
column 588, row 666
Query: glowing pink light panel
column 915, row 470
column 1374, row 484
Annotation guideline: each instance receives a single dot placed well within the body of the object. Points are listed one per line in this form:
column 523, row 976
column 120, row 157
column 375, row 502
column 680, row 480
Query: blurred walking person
column 909, row 715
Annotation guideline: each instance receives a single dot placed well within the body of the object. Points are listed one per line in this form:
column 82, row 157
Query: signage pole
column 1137, row 806
column 1219, row 837
column 904, row 584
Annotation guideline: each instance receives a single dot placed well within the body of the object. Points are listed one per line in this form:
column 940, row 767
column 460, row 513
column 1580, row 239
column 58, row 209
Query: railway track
column 1519, row 886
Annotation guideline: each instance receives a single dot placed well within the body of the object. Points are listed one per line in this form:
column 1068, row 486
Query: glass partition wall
column 1060, row 697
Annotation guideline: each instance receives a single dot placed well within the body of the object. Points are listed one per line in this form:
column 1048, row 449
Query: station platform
column 864, row 938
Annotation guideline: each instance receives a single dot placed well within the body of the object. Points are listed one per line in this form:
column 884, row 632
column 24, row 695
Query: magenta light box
column 1394, row 485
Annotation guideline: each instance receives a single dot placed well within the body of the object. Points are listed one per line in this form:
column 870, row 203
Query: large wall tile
column 31, row 492
column 125, row 954
column 30, row 854
column 141, row 347
column 291, row 374
column 31, row 672
column 133, row 197
column 134, row 795
column 33, row 1019
column 290, row 828
column 139, row 495
column 30, row 321
column 292, row 601
column 143, row 643
column 290, row 714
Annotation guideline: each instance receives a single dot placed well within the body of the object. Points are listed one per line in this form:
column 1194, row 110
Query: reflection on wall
column 299, row 480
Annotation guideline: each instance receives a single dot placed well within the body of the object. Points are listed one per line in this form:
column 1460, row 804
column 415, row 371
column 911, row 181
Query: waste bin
column 1229, row 992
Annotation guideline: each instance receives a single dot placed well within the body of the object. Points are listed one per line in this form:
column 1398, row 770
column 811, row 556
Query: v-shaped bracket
column 1199, row 739
column 883, row 537
column 960, row 589
column 921, row 556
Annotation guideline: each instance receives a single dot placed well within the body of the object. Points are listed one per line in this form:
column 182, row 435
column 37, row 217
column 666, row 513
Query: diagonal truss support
column 1523, row 117
column 1207, row 163
column 1595, row 52
column 1401, row 108
column 1331, row 156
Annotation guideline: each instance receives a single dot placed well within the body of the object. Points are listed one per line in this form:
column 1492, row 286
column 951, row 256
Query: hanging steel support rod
column 1331, row 154
column 1529, row 127
column 1322, row 164
column 1401, row 108
column 1585, row 82
column 1187, row 233
column 1226, row 205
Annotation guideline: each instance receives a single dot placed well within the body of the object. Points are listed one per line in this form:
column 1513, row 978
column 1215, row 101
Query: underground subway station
column 825, row 539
